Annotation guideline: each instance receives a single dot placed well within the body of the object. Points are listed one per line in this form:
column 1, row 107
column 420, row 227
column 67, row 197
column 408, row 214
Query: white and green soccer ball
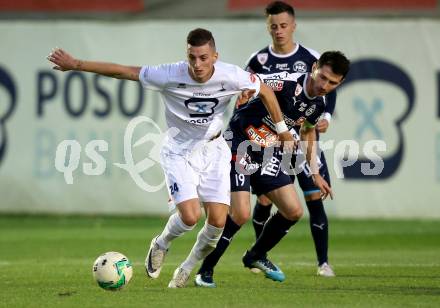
column 112, row 271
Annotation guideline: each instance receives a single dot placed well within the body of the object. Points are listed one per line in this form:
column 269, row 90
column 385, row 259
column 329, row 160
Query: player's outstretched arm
column 65, row 62
column 271, row 103
column 308, row 137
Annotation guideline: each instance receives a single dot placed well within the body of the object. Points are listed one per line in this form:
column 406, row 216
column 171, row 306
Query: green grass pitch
column 47, row 262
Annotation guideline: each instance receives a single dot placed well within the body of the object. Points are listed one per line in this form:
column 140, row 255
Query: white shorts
column 201, row 173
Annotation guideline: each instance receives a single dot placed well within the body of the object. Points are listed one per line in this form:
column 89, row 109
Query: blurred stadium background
column 392, row 94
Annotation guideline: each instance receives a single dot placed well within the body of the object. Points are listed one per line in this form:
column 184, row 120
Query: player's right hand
column 288, row 143
column 63, row 61
column 323, row 186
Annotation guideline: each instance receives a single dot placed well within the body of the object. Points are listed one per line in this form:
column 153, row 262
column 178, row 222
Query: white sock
column 173, row 229
column 206, row 241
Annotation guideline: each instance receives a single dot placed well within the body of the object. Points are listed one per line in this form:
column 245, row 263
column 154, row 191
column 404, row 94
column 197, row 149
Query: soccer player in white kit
column 196, row 161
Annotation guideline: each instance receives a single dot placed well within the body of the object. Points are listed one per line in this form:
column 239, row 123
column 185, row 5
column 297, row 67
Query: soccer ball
column 112, row 271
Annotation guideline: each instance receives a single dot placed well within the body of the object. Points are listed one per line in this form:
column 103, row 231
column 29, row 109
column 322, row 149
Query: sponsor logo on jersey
column 310, row 110
column 298, row 89
column 262, row 58
column 271, row 167
column 181, row 86
column 276, row 85
column 201, row 94
column 300, row 67
column 246, row 164
column 283, row 66
column 198, row 121
column 201, row 109
column 261, row 135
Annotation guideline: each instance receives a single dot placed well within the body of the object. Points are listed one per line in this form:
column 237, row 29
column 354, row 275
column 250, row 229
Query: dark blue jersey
column 252, row 121
column 266, row 61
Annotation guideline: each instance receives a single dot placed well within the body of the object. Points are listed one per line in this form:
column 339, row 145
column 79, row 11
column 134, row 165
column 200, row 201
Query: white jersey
column 196, row 109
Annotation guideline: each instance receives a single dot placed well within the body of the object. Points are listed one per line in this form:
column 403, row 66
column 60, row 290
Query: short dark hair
column 337, row 61
column 199, row 37
column 278, row 7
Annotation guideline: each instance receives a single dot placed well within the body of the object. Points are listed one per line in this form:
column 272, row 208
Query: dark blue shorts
column 261, row 177
column 258, row 168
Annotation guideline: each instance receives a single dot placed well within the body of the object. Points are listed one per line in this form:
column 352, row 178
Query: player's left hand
column 323, row 186
column 288, row 143
column 244, row 97
column 322, row 125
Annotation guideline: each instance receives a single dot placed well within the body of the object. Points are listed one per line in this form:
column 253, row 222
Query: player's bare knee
column 240, row 217
column 298, row 213
column 191, row 218
column 294, row 213
column 264, row 201
column 218, row 222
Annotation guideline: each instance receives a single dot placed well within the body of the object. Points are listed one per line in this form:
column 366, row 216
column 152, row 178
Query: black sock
column 319, row 228
column 260, row 216
column 274, row 230
column 228, row 232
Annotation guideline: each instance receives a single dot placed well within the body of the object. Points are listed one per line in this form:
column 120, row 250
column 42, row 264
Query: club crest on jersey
column 300, row 67
column 302, row 106
column 298, row 89
column 262, row 58
column 310, row 110
column 276, row 85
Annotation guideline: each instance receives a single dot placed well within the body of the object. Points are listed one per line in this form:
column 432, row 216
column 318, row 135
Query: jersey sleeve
column 313, row 119
column 252, row 64
column 313, row 52
column 330, row 105
column 154, row 77
column 248, row 81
